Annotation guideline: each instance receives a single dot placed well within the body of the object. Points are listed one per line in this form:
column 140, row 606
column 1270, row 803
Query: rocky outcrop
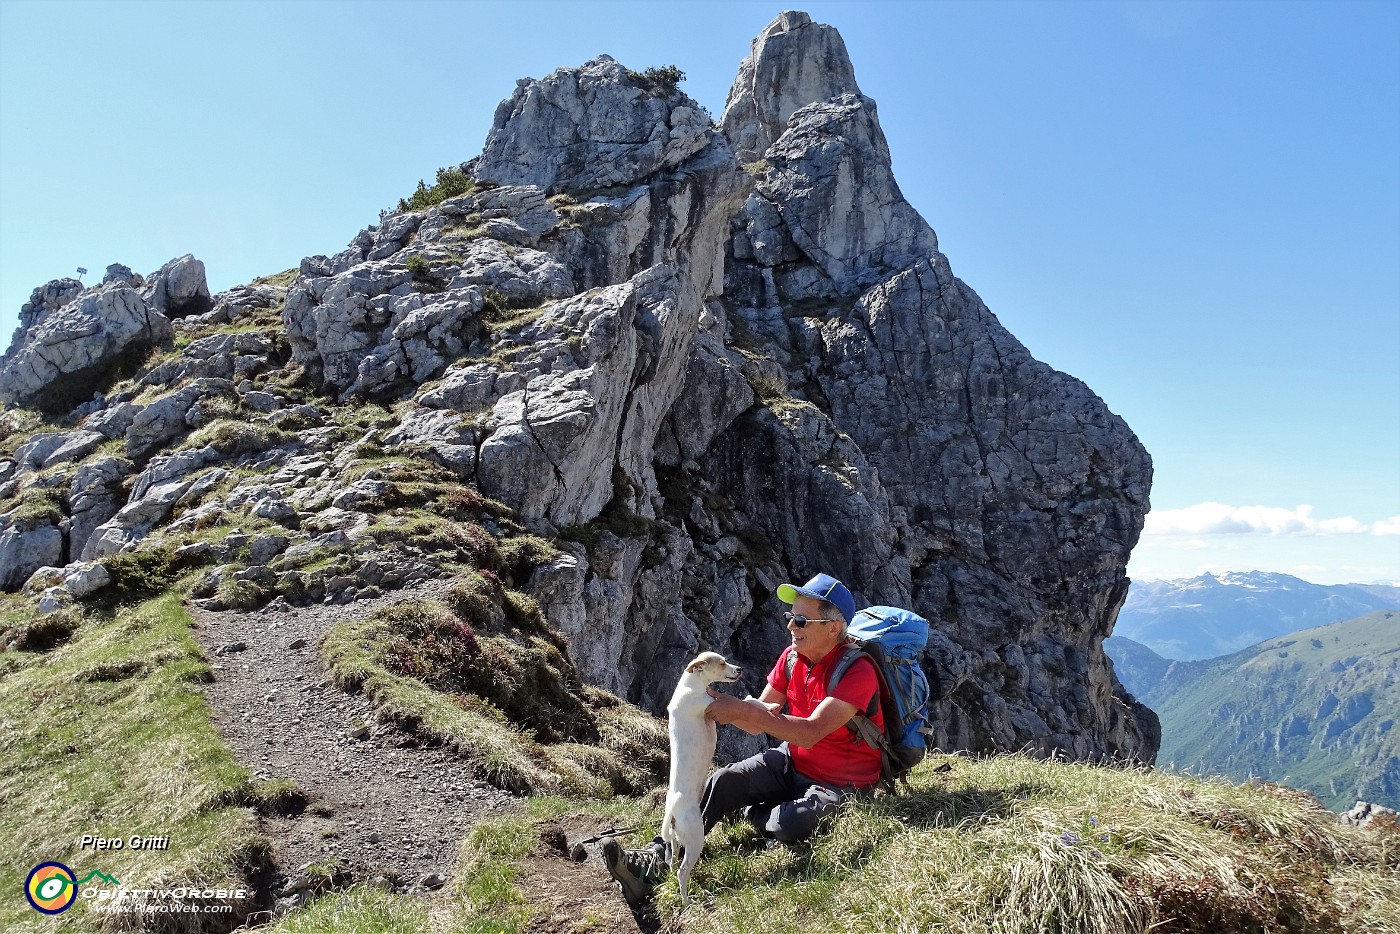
column 24, row 550
column 792, row 63
column 829, row 183
column 70, row 339
column 1366, row 814
column 73, row 339
column 582, row 129
column 179, row 289
column 94, row 497
column 700, row 360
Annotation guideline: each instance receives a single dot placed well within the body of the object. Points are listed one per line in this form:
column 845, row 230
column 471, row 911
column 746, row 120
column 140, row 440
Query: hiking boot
column 639, row 872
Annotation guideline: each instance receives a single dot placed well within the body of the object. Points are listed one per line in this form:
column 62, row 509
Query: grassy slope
column 1264, row 711
column 109, row 735
column 1012, row 844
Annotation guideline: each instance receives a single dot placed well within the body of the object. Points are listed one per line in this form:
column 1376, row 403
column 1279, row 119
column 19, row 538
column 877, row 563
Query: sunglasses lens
column 799, row 621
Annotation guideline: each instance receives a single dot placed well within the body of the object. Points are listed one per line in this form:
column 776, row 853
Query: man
column 785, row 791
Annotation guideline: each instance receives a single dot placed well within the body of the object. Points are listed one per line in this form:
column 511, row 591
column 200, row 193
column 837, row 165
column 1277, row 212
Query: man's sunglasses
column 801, row 621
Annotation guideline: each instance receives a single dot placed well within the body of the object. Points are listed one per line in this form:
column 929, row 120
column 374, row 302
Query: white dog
column 692, row 750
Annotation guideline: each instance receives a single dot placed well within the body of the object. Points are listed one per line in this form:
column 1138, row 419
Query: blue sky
column 1193, row 207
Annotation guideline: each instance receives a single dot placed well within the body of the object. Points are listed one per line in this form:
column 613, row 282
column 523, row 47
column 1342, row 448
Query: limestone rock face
column 588, row 128
column 43, row 301
column 24, row 550
column 1011, row 495
column 791, row 64
column 829, row 179
column 852, row 407
column 94, row 497
column 73, row 337
column 180, row 288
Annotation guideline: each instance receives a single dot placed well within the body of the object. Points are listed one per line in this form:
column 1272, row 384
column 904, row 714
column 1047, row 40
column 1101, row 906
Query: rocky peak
column 792, row 63
column 589, row 128
column 694, row 374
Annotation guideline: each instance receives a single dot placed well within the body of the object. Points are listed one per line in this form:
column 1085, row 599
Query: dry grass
column 479, row 675
column 1012, row 844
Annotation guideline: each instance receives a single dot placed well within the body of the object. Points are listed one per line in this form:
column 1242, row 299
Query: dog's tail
column 668, row 831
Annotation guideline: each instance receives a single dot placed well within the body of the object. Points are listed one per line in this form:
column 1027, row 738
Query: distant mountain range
column 1216, row 614
column 1315, row 709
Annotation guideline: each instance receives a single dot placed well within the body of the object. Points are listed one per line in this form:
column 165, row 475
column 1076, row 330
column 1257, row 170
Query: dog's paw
column 772, row 708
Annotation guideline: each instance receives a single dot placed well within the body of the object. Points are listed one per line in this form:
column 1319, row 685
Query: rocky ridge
column 698, row 359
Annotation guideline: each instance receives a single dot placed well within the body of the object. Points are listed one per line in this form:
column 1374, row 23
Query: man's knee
column 785, row 822
column 791, row 821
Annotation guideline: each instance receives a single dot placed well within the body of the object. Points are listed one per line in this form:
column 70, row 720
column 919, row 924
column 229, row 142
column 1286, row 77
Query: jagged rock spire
column 581, row 129
column 826, row 190
column 792, row 63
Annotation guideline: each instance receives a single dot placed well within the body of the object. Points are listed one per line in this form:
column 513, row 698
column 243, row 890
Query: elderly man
column 784, row 791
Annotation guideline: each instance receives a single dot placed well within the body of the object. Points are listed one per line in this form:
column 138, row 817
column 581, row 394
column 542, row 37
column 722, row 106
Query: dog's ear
column 695, row 666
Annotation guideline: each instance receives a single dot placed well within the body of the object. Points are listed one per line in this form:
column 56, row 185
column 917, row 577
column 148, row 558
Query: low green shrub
column 450, row 183
column 141, row 574
column 417, row 266
column 660, row 82
column 421, row 271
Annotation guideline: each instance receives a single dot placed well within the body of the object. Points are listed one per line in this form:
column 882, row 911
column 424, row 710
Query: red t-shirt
column 837, row 758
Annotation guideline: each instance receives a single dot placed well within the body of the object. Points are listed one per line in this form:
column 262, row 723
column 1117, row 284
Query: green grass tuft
column 361, row 909
column 232, row 437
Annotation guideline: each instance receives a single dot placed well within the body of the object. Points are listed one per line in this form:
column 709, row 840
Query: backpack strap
column 862, row 726
column 848, row 658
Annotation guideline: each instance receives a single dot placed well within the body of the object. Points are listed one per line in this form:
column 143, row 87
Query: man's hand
column 731, row 710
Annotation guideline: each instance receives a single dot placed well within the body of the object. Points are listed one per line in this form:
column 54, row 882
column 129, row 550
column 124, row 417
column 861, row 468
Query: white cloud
column 1220, row 519
column 1389, row 526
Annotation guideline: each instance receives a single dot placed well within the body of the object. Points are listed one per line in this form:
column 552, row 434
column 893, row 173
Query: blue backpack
column 892, row 638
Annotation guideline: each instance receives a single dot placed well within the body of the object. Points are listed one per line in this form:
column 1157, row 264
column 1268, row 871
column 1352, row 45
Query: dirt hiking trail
column 381, row 808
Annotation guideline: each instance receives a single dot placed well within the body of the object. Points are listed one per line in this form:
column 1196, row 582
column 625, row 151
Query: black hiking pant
column 781, row 802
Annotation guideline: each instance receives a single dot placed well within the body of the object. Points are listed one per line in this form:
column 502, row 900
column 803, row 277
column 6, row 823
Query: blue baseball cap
column 822, row 587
